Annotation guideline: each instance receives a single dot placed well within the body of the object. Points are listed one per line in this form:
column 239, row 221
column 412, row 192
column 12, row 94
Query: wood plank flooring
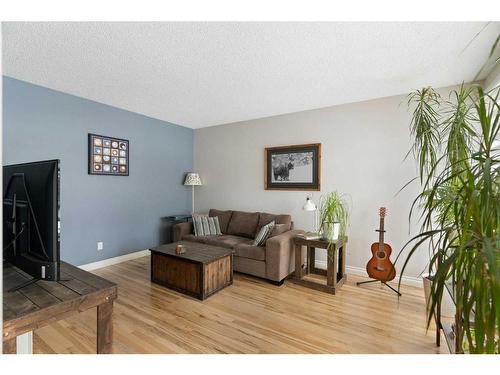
column 251, row 316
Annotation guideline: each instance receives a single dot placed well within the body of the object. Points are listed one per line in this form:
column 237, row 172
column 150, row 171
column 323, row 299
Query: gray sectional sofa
column 274, row 261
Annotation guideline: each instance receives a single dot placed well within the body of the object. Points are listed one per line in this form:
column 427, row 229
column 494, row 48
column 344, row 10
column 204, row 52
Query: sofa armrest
column 280, row 255
column 182, row 229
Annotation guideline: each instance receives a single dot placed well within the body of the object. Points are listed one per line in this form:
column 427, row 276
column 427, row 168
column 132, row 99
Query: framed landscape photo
column 296, row 167
column 108, row 156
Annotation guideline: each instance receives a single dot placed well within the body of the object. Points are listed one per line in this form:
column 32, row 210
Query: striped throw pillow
column 264, row 232
column 206, row 226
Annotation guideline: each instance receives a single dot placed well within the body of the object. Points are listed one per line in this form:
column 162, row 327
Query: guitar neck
column 381, row 231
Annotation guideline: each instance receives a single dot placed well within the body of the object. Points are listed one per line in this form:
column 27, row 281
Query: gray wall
column 363, row 147
column 123, row 212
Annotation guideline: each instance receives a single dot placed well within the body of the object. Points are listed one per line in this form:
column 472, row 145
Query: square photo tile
column 106, row 167
column 107, row 143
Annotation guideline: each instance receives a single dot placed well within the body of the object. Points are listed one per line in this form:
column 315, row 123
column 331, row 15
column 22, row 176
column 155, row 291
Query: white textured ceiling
column 203, row 74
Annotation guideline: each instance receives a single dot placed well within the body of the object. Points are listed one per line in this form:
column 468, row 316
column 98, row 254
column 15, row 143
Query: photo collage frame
column 108, row 156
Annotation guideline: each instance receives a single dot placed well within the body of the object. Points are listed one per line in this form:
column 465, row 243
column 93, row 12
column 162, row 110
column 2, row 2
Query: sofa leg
column 277, row 283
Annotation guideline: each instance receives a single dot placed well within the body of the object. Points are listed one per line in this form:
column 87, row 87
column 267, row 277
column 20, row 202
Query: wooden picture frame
column 295, row 167
column 108, row 156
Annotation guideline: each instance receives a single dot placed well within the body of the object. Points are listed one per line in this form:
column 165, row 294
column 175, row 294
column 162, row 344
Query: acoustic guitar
column 379, row 266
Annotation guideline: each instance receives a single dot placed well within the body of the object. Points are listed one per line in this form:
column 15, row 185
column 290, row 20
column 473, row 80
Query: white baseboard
column 115, row 260
column 358, row 271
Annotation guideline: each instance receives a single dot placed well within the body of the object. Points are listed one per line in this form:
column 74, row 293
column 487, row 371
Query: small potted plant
column 334, row 215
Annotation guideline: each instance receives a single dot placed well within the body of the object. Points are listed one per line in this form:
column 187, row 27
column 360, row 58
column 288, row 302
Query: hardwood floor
column 251, row 316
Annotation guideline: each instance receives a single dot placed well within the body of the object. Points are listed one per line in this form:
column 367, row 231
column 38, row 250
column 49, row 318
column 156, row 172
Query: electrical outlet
column 100, row 246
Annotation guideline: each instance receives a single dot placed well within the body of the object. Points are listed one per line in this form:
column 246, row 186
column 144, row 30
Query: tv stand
column 43, row 302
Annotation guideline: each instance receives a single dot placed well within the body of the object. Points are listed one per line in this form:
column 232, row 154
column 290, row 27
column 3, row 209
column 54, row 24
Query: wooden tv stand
column 45, row 302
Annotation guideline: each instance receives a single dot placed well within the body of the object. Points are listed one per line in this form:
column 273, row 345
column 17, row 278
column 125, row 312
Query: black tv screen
column 31, row 218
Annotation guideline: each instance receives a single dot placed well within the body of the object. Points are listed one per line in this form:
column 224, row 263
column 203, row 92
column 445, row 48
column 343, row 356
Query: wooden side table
column 335, row 272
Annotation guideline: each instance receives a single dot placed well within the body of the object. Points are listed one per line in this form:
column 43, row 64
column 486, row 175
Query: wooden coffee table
column 199, row 272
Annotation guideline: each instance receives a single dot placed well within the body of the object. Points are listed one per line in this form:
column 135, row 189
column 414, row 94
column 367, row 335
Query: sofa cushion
column 224, row 218
column 200, row 239
column 190, row 237
column 227, row 241
column 278, row 229
column 243, row 224
column 249, row 251
column 265, row 218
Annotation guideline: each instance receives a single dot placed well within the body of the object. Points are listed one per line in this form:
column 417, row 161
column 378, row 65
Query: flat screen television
column 31, row 224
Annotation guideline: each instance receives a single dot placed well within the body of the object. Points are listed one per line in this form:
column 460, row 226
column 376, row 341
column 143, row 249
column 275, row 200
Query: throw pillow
column 206, row 226
column 197, row 225
column 265, row 218
column 264, row 232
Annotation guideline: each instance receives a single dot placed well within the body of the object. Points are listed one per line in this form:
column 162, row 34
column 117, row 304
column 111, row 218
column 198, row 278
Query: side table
column 167, row 227
column 335, row 272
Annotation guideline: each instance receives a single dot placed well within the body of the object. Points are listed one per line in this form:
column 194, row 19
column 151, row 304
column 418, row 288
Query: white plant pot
column 447, row 306
column 336, row 231
column 331, row 232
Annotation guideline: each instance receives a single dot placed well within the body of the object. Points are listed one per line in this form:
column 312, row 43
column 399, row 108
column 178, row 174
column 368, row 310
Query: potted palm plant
column 457, row 149
column 334, row 216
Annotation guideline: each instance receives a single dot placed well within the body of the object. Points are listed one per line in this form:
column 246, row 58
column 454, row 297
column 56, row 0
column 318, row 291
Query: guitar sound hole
column 380, row 255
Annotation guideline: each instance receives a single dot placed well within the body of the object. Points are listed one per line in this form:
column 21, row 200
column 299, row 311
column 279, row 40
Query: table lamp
column 311, row 206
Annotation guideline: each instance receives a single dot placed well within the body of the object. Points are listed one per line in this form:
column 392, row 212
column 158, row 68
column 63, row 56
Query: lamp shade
column 309, row 205
column 192, row 179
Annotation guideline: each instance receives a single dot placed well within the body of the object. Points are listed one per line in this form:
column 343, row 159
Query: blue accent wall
column 123, row 212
